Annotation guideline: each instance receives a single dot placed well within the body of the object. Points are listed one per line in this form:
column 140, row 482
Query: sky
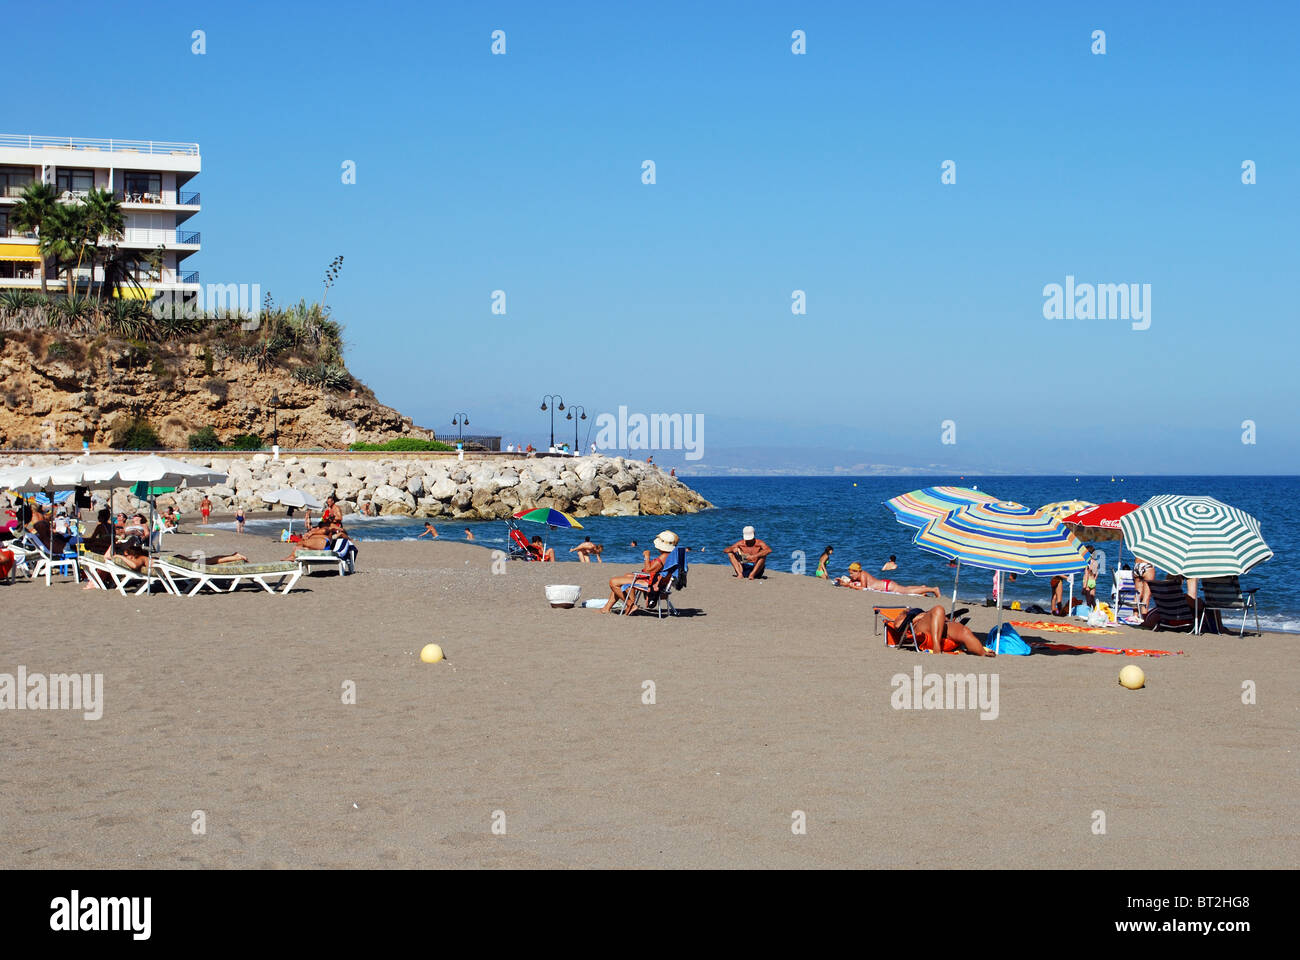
column 924, row 344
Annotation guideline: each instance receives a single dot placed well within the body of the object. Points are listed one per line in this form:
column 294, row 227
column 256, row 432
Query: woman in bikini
column 861, row 580
column 934, row 623
column 821, row 563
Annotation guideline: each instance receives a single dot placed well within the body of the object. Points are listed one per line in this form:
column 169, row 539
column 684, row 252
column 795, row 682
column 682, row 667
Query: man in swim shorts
column 205, row 508
column 748, row 551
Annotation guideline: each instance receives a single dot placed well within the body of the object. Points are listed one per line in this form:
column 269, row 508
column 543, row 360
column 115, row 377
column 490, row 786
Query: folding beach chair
column 903, row 635
column 1124, row 595
column 1172, row 610
column 517, row 545
column 654, row 592
column 1225, row 593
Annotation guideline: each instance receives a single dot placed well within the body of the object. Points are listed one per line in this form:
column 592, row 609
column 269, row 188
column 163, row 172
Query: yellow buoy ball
column 432, row 653
column 1132, row 677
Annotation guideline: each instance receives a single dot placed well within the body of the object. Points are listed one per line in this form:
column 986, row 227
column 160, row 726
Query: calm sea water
column 808, row 513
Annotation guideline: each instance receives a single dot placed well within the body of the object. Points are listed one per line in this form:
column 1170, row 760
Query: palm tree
column 35, row 207
column 61, row 237
column 103, row 222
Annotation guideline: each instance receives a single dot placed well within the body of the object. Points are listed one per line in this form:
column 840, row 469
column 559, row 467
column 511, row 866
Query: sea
column 800, row 516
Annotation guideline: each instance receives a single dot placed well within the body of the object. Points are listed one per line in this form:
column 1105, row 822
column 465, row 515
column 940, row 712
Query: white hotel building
column 149, row 177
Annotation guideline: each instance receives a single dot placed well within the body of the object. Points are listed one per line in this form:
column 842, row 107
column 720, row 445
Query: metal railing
column 87, row 143
column 187, row 199
column 188, row 236
column 191, row 277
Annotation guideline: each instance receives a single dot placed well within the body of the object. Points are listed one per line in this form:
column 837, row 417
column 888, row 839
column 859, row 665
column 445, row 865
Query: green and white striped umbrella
column 1195, row 536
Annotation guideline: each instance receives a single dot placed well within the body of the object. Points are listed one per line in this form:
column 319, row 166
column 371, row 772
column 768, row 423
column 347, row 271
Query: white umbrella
column 289, row 497
column 155, row 471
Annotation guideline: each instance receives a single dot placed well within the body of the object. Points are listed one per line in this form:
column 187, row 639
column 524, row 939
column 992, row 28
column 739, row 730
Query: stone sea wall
column 475, row 489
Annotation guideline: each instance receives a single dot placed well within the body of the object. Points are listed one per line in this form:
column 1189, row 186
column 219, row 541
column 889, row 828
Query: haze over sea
column 809, row 513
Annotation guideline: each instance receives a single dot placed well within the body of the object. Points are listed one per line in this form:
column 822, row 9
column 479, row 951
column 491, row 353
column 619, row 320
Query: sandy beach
column 771, row 697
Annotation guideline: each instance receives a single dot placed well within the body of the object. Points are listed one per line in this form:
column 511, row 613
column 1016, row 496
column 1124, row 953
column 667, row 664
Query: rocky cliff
column 57, row 392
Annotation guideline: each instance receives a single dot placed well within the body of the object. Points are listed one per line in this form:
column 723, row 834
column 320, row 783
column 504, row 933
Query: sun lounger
column 328, row 559
column 1173, row 612
column 108, row 573
column 188, row 578
column 1225, row 593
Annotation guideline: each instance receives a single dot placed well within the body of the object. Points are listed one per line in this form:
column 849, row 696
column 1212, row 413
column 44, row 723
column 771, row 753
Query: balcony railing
column 187, row 236
column 187, row 198
column 13, row 190
column 180, row 198
column 191, row 277
column 84, row 143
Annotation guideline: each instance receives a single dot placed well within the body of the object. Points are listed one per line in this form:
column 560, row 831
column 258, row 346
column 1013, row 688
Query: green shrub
column 245, row 441
column 136, row 434
column 205, row 439
column 402, row 445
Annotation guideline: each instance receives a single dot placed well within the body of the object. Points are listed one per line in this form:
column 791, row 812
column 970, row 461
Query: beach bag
column 1098, row 618
column 1010, row 644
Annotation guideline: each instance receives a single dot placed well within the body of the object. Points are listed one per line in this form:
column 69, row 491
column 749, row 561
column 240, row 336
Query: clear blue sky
column 775, row 172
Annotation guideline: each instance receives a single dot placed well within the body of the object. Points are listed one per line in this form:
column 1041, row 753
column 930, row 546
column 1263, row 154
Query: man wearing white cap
column 748, row 552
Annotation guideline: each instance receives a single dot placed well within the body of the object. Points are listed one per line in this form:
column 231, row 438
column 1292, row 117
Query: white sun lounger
column 325, row 558
column 108, row 574
column 188, row 578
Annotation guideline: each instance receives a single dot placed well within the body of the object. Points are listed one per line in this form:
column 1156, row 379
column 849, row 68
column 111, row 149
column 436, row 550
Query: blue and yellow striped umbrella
column 919, row 507
column 1004, row 536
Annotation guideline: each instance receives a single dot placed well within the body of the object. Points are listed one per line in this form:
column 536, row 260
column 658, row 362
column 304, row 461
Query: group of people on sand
column 327, row 533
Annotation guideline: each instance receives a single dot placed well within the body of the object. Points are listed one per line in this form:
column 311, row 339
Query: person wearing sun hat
column 748, row 555
column 666, row 543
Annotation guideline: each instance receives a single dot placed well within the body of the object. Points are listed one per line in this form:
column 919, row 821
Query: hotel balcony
column 160, row 236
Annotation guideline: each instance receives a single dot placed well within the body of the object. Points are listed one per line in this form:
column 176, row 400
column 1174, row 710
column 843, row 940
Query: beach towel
column 1054, row 626
column 1119, row 651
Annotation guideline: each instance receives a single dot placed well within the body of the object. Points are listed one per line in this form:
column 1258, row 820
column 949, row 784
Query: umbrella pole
column 997, row 644
column 955, row 577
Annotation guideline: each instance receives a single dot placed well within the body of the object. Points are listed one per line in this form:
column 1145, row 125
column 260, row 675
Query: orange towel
column 1054, row 627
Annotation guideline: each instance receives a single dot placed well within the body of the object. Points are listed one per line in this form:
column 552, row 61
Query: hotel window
column 75, row 181
column 142, row 184
column 13, row 180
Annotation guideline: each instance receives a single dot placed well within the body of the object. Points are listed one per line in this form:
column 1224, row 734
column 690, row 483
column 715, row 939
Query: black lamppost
column 460, row 421
column 554, row 397
column 570, row 416
column 275, row 406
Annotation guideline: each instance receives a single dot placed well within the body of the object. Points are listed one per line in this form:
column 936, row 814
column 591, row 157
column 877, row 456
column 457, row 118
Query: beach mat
column 1045, row 647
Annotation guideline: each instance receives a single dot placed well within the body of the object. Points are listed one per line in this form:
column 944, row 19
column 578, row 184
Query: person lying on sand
column 586, row 550
column 935, row 623
column 859, row 579
column 748, row 551
column 665, row 543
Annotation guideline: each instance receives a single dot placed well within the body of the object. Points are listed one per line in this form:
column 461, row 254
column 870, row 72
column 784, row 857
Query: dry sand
column 773, row 697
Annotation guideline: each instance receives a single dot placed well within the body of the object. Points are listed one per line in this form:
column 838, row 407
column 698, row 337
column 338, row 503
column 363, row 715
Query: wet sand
column 771, row 697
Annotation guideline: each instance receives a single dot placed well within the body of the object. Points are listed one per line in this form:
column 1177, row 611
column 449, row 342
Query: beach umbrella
column 289, row 497
column 1063, row 508
column 919, row 507
column 1100, row 523
column 1004, row 537
column 154, row 474
column 549, row 516
column 1195, row 536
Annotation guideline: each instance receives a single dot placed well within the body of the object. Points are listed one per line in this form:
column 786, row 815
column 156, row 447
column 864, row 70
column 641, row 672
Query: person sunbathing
column 665, row 543
column 317, row 538
column 860, row 579
column 934, row 623
column 133, row 557
column 541, row 551
column 224, row 558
